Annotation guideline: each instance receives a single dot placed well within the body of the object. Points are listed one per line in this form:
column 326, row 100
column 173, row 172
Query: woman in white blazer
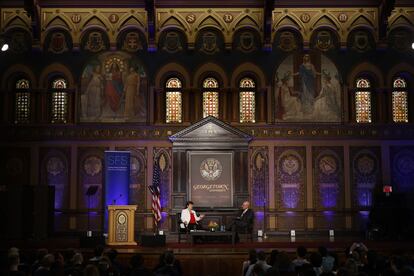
column 189, row 217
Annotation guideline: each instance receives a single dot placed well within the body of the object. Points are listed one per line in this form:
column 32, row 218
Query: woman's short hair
column 188, row 203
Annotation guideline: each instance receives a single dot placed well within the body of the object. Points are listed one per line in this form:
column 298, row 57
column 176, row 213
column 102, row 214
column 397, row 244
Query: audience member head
column 40, row 253
column 47, row 261
column 58, row 258
column 261, row 255
column 112, row 254
column 273, row 257
column 137, row 260
column 258, row 270
column 91, row 270
column 13, row 261
column 283, row 262
column 252, row 256
column 13, row 251
column 77, row 259
column 301, row 252
column 323, row 251
column 343, row 272
column 356, row 256
column 69, row 253
column 351, row 266
column 169, row 258
column 315, row 259
column 99, row 250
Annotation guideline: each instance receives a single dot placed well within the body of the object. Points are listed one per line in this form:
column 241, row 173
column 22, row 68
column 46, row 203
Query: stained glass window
column 210, row 97
column 363, row 101
column 400, row 101
column 22, row 84
column 247, row 100
column 59, row 84
column 59, row 101
column 22, row 101
column 173, row 101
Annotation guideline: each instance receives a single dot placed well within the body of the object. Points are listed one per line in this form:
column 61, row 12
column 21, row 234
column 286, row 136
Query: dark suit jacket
column 245, row 221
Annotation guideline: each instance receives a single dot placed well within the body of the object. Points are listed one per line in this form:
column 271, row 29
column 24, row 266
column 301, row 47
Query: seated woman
column 189, row 217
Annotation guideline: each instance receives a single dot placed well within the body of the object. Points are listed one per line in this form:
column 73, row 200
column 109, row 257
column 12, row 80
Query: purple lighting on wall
column 290, row 197
column 364, row 197
column 259, row 216
column 328, row 196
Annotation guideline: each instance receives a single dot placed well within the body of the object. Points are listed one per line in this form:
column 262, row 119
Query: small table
column 204, row 233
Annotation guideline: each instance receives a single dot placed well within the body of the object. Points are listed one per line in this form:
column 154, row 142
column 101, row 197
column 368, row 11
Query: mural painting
column 308, row 89
column 113, row 89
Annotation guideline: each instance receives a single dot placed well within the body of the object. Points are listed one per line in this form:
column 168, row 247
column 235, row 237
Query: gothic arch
column 397, row 69
column 367, row 28
column 56, row 68
column 245, row 69
column 18, row 69
column 170, row 68
column 201, row 72
column 368, row 68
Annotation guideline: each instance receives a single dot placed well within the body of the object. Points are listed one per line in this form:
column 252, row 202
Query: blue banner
column 117, row 168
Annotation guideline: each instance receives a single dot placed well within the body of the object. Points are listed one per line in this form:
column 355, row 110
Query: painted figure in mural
column 289, row 104
column 94, row 92
column 114, row 87
column 307, row 74
column 326, row 103
column 132, row 85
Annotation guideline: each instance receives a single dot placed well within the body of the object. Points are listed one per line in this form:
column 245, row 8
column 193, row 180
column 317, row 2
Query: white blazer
column 185, row 217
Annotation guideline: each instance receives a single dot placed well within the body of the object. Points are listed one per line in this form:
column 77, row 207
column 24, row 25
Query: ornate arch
column 326, row 28
column 399, row 68
column 369, row 68
column 248, row 68
column 367, row 28
column 210, row 67
column 288, row 21
column 17, row 69
column 170, row 68
column 59, row 69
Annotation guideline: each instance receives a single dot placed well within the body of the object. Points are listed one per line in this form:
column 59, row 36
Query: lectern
column 121, row 224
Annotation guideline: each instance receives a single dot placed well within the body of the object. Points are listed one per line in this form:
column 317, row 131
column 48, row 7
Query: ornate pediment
column 210, row 132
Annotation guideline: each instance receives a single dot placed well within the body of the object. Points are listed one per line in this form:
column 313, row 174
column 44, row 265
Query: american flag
column 155, row 191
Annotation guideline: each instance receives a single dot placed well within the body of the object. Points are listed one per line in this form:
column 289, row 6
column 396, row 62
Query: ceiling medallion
column 76, row 18
column 113, row 18
column 305, row 17
column 228, row 18
column 343, row 17
column 190, row 18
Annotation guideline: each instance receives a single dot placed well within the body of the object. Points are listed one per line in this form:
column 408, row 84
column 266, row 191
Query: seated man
column 243, row 223
column 189, row 217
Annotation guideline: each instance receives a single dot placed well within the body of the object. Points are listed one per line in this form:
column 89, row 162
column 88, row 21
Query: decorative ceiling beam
column 385, row 8
column 150, row 8
column 268, row 6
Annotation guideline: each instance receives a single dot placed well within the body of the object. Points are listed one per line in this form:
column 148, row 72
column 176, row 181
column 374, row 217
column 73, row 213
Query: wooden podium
column 121, row 222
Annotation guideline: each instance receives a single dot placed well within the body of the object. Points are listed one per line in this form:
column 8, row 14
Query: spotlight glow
column 412, row 45
column 5, row 47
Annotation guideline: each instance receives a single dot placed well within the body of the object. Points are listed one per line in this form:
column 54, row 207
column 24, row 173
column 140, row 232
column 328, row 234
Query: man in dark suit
column 243, row 223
